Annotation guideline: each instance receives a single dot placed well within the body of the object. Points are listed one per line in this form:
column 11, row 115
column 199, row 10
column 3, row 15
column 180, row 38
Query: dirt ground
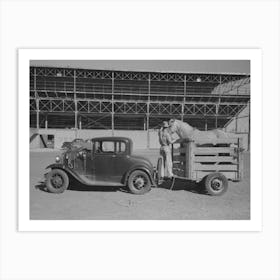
column 183, row 202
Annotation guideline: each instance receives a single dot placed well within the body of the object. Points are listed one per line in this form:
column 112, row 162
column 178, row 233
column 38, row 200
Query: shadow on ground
column 169, row 184
column 182, row 184
column 76, row 186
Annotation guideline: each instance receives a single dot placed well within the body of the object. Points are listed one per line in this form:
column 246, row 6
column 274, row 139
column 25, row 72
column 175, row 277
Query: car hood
column 78, row 147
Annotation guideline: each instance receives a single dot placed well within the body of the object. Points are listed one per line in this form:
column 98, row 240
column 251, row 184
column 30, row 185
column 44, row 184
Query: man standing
column 165, row 151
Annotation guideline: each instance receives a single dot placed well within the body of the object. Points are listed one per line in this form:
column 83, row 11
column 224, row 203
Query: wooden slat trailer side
column 212, row 163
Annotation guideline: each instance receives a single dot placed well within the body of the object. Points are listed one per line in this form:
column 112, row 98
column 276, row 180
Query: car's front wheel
column 57, row 181
column 139, row 182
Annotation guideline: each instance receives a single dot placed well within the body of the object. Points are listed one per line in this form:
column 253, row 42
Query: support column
column 236, row 124
column 113, row 109
column 46, row 122
column 218, row 104
column 75, row 102
column 220, row 82
column 36, row 100
column 216, row 115
column 217, row 112
column 249, row 130
column 184, row 98
column 37, row 114
column 148, row 111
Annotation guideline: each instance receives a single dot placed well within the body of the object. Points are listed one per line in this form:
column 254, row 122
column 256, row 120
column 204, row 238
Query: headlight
column 57, row 159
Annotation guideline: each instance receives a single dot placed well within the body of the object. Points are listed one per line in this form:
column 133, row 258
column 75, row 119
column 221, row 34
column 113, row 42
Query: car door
column 121, row 161
column 103, row 161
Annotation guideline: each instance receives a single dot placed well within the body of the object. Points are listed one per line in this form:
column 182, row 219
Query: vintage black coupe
column 109, row 162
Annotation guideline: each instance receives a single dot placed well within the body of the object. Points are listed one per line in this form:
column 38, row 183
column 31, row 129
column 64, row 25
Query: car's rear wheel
column 57, row 181
column 139, row 182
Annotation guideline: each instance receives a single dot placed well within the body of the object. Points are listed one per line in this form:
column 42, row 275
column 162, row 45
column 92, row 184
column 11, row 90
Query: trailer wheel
column 215, row 184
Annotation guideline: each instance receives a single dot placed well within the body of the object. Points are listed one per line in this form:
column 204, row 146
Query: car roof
column 111, row 138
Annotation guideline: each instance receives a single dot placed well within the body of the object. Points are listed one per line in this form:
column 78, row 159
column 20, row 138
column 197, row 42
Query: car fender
column 66, row 169
column 143, row 168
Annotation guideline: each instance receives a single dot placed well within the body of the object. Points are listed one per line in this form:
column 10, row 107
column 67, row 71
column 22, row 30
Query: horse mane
column 179, row 126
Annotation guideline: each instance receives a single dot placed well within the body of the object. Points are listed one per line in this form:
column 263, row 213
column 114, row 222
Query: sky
column 195, row 66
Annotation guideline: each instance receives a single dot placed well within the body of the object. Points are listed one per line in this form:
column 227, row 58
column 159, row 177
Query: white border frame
column 24, row 57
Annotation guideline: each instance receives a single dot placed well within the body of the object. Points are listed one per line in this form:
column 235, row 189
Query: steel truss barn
column 130, row 100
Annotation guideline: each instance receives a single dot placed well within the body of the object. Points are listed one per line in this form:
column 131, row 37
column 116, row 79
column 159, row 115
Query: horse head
column 173, row 126
column 184, row 130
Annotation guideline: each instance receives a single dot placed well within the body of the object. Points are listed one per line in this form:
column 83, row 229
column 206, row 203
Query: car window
column 105, row 147
column 108, row 147
column 120, row 147
column 97, row 147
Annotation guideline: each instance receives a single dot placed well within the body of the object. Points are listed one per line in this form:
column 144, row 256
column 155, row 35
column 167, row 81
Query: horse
column 185, row 131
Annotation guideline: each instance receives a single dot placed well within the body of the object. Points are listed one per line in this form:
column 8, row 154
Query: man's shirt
column 164, row 137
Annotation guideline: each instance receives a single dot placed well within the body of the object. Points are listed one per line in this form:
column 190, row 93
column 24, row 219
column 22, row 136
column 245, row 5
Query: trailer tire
column 215, row 184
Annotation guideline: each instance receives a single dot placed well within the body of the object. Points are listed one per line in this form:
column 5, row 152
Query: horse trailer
column 209, row 163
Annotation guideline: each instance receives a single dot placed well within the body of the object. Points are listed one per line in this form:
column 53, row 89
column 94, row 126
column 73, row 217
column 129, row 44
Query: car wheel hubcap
column 57, row 181
column 139, row 182
column 217, row 184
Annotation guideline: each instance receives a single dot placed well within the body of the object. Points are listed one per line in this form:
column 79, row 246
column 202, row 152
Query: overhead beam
column 136, row 75
column 146, row 102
